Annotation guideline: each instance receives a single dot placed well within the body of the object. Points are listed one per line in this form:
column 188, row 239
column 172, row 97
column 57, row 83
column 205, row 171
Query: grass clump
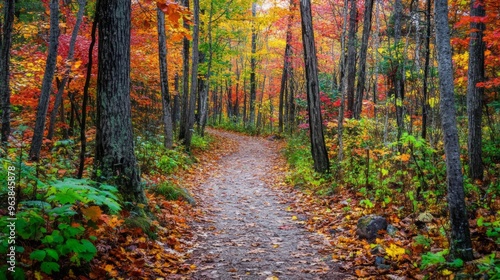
column 172, row 192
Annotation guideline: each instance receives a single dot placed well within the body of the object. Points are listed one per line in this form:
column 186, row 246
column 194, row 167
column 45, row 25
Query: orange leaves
column 174, row 12
column 93, row 213
column 405, row 157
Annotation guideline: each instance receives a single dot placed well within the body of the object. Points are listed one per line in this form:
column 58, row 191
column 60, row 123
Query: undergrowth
column 402, row 180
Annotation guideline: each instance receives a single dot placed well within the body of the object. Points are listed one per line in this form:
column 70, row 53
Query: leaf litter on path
column 251, row 234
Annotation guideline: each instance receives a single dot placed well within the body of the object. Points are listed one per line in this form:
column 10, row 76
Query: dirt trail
column 247, row 233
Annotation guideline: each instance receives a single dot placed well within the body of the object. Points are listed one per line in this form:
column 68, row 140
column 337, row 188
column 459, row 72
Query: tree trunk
column 342, row 86
column 165, row 94
column 351, row 56
column 50, row 68
column 115, row 160
column 185, row 82
column 83, row 122
column 475, row 93
column 188, row 133
column 425, row 106
column 461, row 246
column 399, row 72
column 253, row 64
column 5, row 45
column 318, row 148
column 367, row 26
column 290, row 116
column 286, row 65
column 67, row 71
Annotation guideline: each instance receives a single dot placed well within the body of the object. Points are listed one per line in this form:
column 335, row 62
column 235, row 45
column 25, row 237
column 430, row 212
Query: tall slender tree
column 50, row 68
column 318, row 147
column 398, row 67
column 253, row 65
column 190, row 118
column 285, row 79
column 115, row 160
column 86, row 86
column 351, row 55
column 206, row 85
column 475, row 93
column 461, row 245
column 67, row 70
column 367, row 26
column 165, row 94
column 425, row 106
column 5, row 45
column 185, row 81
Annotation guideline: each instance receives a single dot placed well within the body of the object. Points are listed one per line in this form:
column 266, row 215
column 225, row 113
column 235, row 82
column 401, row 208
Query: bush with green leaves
column 154, row 158
column 172, row 192
column 299, row 157
column 53, row 223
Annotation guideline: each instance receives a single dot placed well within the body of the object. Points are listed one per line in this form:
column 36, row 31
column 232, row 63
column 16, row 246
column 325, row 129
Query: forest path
column 247, row 233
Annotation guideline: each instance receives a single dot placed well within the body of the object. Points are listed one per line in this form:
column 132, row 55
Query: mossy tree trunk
column 115, row 160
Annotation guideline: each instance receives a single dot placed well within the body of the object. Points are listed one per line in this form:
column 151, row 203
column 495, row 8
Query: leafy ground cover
column 408, row 188
column 78, row 229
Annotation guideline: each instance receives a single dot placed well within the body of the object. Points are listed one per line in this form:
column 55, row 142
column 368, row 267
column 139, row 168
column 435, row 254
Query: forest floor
column 248, row 231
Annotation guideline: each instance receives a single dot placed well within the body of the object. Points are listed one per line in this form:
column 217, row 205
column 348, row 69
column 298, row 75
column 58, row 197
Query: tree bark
column 399, row 71
column 83, row 123
column 461, row 246
column 351, row 56
column 50, row 68
column 425, row 106
column 115, row 160
column 165, row 94
column 318, row 148
column 253, row 64
column 185, row 82
column 342, row 87
column 67, row 71
column 5, row 45
column 475, row 93
column 188, row 133
column 367, row 26
column 206, row 86
column 286, row 67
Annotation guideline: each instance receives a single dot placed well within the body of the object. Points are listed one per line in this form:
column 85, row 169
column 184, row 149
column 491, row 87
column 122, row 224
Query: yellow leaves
column 110, row 269
column 332, row 124
column 76, row 65
column 395, row 252
column 294, row 218
column 433, row 101
column 272, row 278
column 446, row 272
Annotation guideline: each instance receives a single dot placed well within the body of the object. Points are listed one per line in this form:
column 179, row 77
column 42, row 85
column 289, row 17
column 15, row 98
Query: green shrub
column 202, row 143
column 53, row 224
column 172, row 192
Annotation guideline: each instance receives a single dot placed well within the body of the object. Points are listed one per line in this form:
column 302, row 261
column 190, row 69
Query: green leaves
column 55, row 221
column 38, row 255
column 430, row 259
column 49, row 267
column 69, row 191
